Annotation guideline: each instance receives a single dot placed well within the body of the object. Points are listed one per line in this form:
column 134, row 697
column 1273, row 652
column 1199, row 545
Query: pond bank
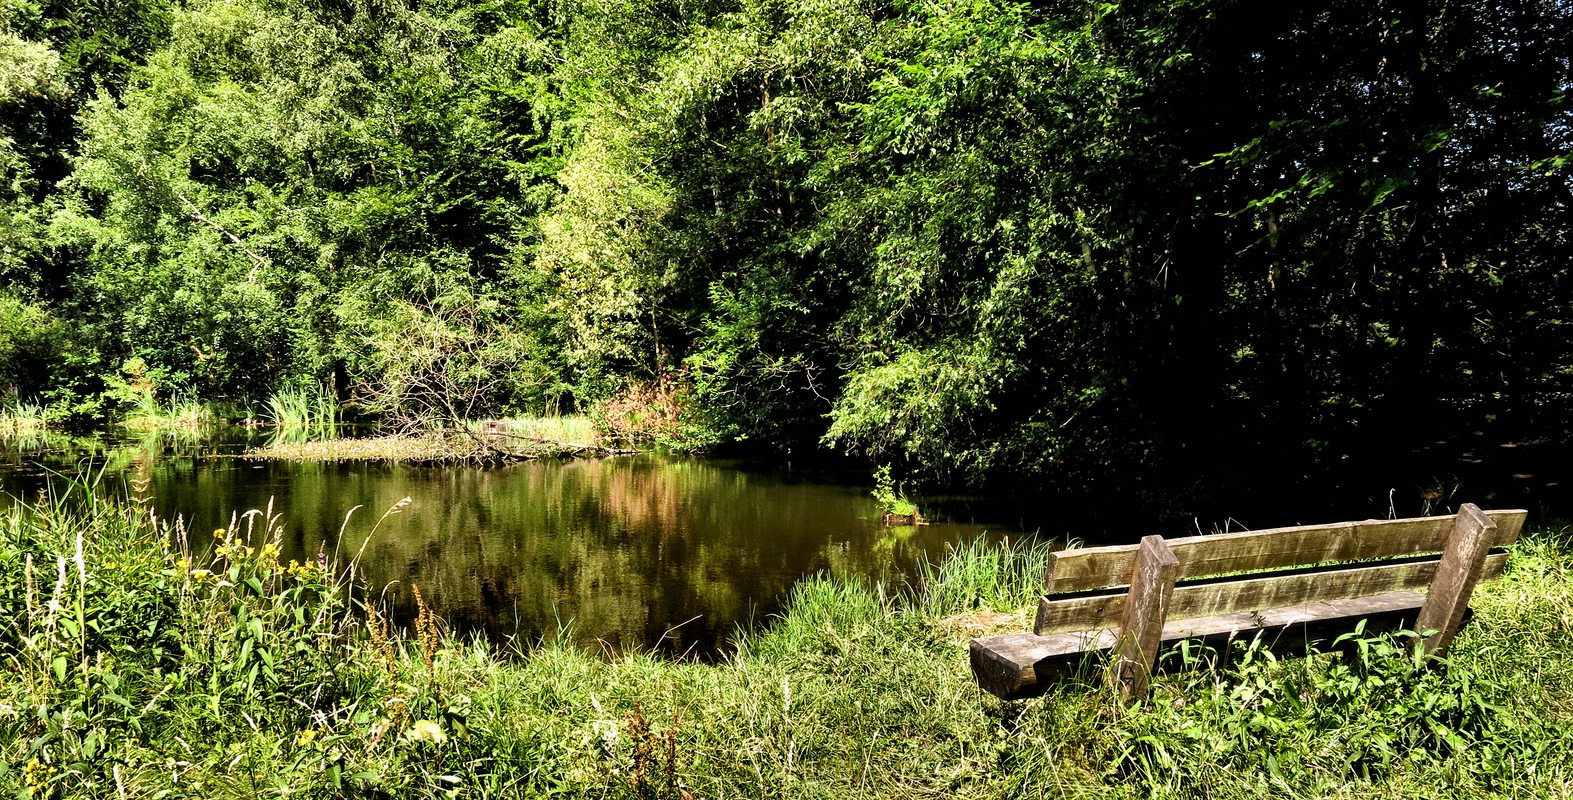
column 137, row 669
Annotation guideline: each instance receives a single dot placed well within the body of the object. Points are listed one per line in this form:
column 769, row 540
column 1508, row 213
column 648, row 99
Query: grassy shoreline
column 142, row 661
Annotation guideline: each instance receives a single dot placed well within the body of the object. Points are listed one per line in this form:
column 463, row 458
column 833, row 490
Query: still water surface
column 651, row 552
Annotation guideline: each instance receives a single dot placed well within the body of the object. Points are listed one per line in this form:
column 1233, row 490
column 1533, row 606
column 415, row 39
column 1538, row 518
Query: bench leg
column 1468, row 543
column 1146, row 609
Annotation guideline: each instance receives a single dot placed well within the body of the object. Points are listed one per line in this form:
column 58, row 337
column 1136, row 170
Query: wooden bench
column 1129, row 601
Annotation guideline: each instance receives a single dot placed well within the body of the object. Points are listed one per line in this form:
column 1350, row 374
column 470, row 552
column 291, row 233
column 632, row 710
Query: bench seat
column 1014, row 666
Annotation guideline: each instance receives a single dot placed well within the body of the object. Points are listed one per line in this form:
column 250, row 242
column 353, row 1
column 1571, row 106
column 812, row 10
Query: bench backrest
column 1088, row 588
column 1309, row 580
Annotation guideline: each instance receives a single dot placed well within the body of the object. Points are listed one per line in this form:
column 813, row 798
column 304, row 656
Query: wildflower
column 306, row 737
column 201, row 575
column 218, row 533
column 36, row 773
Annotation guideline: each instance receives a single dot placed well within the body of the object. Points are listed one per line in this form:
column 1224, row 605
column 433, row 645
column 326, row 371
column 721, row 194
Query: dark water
column 644, row 552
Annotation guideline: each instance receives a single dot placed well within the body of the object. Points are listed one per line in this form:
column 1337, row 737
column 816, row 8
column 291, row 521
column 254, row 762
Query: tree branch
column 196, row 214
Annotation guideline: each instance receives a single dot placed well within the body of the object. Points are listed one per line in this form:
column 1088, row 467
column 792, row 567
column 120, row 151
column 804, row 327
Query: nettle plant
column 1369, row 706
column 123, row 632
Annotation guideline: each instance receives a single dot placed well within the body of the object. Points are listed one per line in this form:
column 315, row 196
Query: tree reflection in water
column 640, row 552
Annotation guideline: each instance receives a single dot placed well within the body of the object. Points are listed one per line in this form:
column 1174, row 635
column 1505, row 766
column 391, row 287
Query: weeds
column 658, row 412
column 1324, row 721
column 141, row 660
column 978, row 575
column 18, row 417
column 896, row 508
column 303, row 415
column 149, row 414
column 652, row 764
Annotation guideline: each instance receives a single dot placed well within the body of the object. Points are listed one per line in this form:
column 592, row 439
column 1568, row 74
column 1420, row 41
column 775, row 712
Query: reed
column 303, row 408
column 177, row 412
column 302, row 415
column 18, row 416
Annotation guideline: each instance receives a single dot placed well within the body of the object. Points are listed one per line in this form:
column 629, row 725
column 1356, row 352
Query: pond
column 646, row 552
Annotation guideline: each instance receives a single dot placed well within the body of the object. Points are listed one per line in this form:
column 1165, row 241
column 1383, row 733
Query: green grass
column 150, row 414
column 18, row 417
column 303, row 415
column 571, row 430
column 977, row 575
column 138, row 665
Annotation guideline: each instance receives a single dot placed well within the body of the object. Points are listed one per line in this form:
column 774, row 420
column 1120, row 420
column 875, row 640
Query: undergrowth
column 142, row 660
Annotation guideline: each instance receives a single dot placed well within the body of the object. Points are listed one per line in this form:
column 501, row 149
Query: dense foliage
column 1073, row 243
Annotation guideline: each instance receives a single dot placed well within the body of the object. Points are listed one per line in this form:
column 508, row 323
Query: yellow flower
column 35, row 773
column 200, row 575
column 218, row 533
column 306, row 737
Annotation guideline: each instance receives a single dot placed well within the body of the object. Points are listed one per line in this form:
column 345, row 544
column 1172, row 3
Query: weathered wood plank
column 1016, row 665
column 1463, row 561
column 1250, row 593
column 1275, row 620
column 1510, row 523
column 1142, row 619
column 1106, row 567
column 1065, row 614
